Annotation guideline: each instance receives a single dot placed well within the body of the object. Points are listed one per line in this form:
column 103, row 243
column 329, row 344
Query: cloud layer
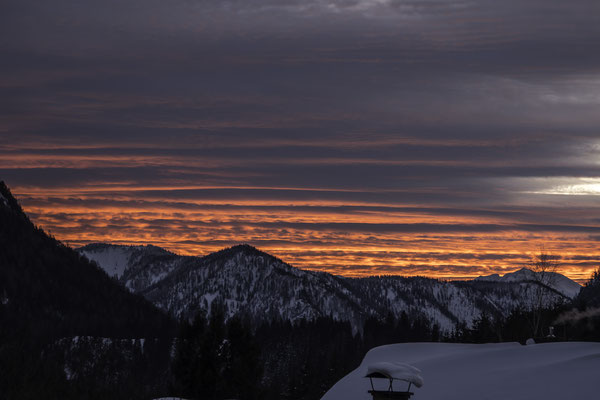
column 445, row 138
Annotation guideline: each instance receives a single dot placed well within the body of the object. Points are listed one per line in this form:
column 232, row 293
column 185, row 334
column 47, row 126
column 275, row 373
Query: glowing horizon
column 344, row 238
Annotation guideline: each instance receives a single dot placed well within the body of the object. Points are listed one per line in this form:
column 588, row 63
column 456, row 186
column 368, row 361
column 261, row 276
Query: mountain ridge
column 262, row 287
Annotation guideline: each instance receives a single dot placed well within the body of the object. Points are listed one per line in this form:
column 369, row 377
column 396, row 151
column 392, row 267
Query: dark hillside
column 48, row 292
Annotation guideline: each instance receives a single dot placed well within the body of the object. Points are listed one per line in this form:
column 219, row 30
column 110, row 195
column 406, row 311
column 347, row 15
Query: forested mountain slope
column 49, row 292
column 262, row 288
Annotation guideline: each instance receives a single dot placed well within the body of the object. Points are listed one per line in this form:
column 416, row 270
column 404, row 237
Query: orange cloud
column 316, row 236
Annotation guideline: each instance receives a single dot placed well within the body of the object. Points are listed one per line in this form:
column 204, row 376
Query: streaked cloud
column 445, row 138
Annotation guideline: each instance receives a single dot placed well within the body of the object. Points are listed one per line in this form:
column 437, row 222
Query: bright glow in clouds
column 582, row 187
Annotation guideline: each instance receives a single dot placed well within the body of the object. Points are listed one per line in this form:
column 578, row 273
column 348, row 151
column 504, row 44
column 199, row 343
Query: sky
column 360, row 137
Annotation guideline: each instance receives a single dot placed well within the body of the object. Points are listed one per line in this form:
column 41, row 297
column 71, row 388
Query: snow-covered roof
column 395, row 370
column 494, row 371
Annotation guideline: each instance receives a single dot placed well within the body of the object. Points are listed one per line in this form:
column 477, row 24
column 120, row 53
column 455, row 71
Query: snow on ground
column 113, row 260
column 170, row 398
column 452, row 371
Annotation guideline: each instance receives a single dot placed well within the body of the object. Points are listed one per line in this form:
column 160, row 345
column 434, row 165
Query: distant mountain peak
column 557, row 281
column 242, row 249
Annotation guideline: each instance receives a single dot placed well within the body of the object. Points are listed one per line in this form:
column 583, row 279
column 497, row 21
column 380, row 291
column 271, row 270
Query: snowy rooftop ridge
column 395, row 370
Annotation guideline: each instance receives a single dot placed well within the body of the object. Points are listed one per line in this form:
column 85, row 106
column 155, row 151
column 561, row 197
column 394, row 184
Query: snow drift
column 567, row 370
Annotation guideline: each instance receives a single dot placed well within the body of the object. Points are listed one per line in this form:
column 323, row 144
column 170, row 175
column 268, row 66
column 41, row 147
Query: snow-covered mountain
column 262, row 287
column 555, row 280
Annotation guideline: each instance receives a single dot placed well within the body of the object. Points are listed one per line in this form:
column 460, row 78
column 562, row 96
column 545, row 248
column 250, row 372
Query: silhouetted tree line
column 582, row 319
column 215, row 359
column 279, row 360
column 578, row 320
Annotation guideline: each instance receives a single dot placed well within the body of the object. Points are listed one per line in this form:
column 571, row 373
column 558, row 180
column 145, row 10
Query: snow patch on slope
column 114, row 260
column 135, row 267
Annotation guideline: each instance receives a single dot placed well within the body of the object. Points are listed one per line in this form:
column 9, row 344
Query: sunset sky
column 360, row 137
